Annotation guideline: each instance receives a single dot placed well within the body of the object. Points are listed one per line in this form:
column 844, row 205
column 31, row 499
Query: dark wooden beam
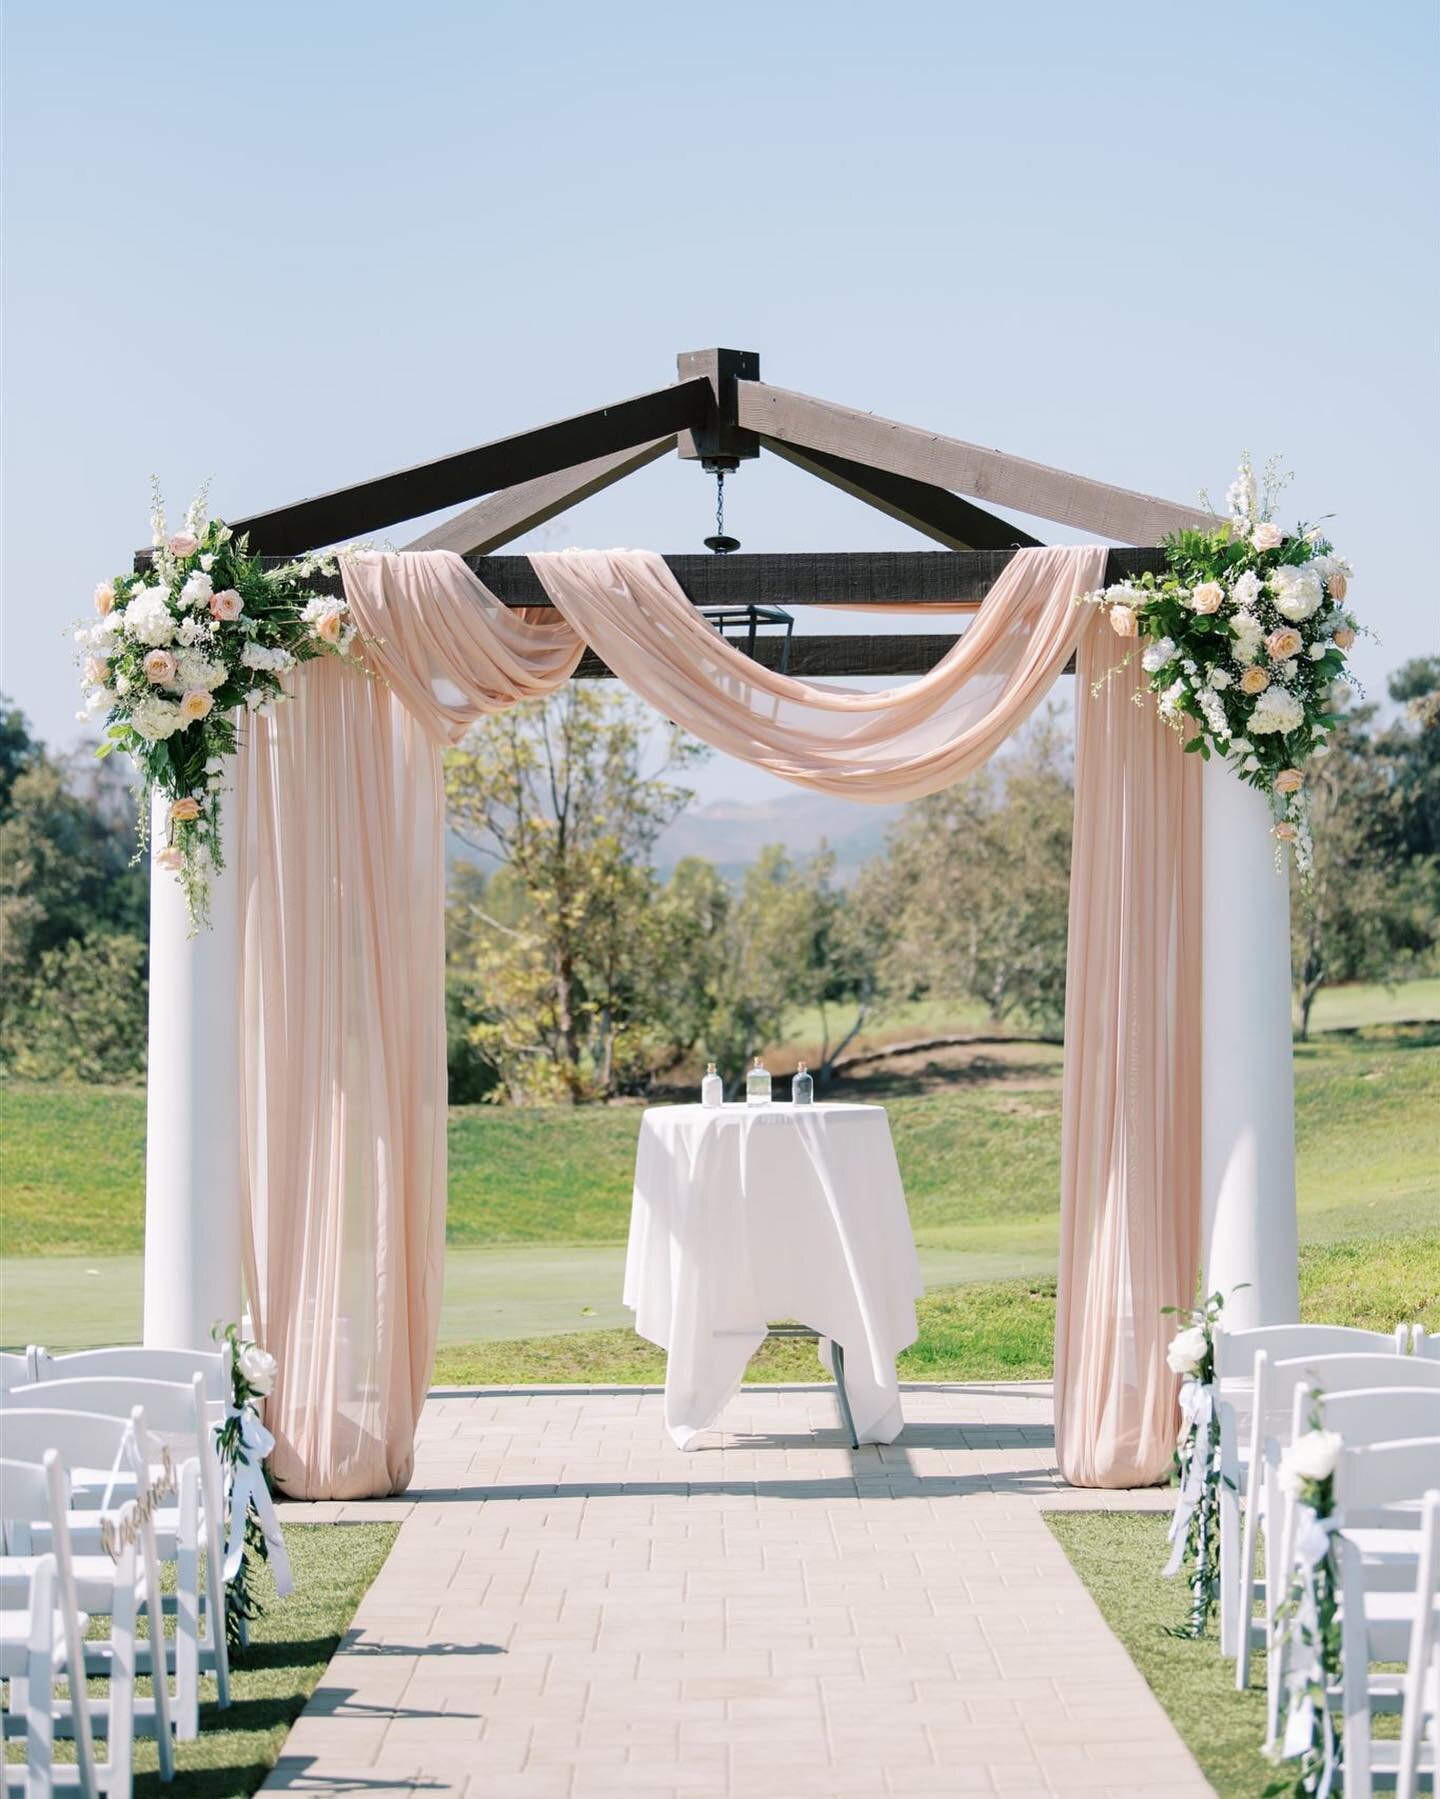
column 957, row 580
column 409, row 493
column 813, row 658
column 718, row 434
column 947, row 462
column 514, row 510
column 938, row 513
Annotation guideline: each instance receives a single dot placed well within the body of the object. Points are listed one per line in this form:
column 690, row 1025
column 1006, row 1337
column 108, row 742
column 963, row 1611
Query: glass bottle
column 757, row 1085
column 802, row 1087
column 712, row 1088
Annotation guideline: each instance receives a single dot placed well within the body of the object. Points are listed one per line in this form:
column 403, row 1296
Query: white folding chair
column 15, row 1370
column 1272, row 1401
column 137, row 1363
column 1420, row 1718
column 1424, row 1344
column 1378, row 1484
column 176, row 1419
column 1390, row 1551
column 81, row 1439
column 44, row 1639
column 1235, row 1353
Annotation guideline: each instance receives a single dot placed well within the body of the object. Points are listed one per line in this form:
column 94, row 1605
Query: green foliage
column 67, row 885
column 975, row 887
column 86, row 1018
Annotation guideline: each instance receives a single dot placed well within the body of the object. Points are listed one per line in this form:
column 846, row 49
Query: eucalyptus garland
column 1195, row 1527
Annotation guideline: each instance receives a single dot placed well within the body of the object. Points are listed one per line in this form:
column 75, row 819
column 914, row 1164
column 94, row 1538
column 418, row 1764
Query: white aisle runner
column 574, row 1608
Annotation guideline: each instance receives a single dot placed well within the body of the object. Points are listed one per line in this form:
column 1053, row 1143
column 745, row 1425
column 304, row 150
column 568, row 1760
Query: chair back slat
column 1379, row 1476
column 179, row 1366
column 1381, row 1414
column 1235, row 1351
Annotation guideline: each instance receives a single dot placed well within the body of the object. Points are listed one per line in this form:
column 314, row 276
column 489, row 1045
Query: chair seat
column 15, row 1642
column 94, row 1581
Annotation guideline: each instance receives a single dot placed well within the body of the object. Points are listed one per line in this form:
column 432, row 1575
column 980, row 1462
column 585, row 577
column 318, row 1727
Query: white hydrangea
column 274, row 662
column 1249, row 636
column 1296, row 591
column 155, row 718
column 1169, row 702
column 1157, row 655
column 1214, row 713
column 1276, row 711
column 195, row 670
column 1246, row 589
column 194, row 629
column 148, row 618
column 197, row 591
column 1219, row 678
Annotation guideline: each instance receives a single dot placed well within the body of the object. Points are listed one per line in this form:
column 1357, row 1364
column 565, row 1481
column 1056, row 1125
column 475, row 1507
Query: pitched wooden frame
column 935, row 511
column 947, row 462
column 507, row 462
column 515, row 510
column 813, row 658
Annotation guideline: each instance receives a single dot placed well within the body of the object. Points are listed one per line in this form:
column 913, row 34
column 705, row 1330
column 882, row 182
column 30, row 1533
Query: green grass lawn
column 1119, row 1556
column 271, row 1678
column 986, row 1330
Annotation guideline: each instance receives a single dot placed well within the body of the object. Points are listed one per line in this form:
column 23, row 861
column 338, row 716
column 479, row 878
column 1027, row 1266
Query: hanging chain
column 720, row 502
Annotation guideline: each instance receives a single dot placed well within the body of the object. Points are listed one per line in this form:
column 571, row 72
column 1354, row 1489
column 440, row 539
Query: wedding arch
column 296, row 1123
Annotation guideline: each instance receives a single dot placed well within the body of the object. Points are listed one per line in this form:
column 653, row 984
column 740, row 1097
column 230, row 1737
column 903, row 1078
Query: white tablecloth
column 746, row 1215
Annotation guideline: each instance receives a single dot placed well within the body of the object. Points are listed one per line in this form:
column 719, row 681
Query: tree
column 1369, row 910
column 562, row 945
column 977, row 885
column 86, row 1016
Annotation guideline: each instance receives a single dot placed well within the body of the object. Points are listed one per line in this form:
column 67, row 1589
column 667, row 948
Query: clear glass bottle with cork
column 712, row 1088
column 802, row 1086
column 757, row 1084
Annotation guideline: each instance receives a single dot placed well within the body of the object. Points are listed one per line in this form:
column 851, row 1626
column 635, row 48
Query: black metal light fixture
column 744, row 620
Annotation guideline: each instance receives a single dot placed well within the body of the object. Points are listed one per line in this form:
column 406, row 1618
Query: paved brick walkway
column 574, row 1608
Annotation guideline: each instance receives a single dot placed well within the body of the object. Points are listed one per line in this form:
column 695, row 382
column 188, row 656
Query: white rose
column 1157, row 655
column 1186, row 1350
column 259, row 1368
column 1312, row 1457
column 1267, row 536
column 1219, row 679
column 1297, row 592
column 1207, row 597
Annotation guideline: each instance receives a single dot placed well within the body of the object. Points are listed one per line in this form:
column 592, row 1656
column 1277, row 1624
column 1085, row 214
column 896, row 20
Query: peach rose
column 1336, row 585
column 183, row 812
column 195, row 705
column 97, row 671
column 1207, row 597
column 184, row 543
column 1343, row 638
column 159, row 665
column 329, row 627
column 226, row 605
column 1289, row 780
column 1284, row 643
column 170, row 858
column 104, row 598
column 1267, row 536
column 1122, row 621
column 1254, row 680
column 1286, row 832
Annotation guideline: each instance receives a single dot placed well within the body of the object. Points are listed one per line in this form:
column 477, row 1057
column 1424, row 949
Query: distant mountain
column 732, row 833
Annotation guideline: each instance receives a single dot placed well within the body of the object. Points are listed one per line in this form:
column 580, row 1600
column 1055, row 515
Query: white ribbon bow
column 1197, row 1408
column 1304, row 1667
column 249, row 1493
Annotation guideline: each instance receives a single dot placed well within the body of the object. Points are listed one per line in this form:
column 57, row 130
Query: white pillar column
column 1247, row 1075
column 193, row 1125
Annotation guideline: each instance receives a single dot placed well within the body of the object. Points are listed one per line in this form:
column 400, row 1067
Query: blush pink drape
column 341, row 842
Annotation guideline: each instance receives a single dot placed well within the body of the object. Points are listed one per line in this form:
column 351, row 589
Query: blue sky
column 291, row 245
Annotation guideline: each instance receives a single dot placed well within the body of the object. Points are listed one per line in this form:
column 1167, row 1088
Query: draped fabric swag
column 341, row 831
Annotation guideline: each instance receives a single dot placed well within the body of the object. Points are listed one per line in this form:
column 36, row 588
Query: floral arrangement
column 243, row 1442
column 1306, row 1624
column 1245, row 635
column 175, row 650
column 1195, row 1527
